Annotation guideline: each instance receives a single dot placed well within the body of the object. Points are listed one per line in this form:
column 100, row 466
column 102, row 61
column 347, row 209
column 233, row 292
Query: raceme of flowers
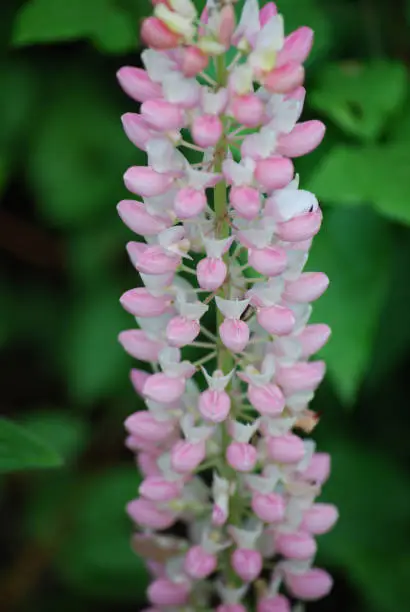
column 226, row 509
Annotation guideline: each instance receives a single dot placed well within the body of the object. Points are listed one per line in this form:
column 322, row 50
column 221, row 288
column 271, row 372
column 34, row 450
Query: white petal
column 231, row 309
column 192, row 311
column 157, row 64
column 245, row 538
column 280, row 426
column 164, row 157
column 216, row 248
column 249, row 24
column 217, row 382
column 177, row 89
column 272, row 35
column 230, row 595
column 243, row 433
column 214, row 103
column 294, row 203
column 239, row 173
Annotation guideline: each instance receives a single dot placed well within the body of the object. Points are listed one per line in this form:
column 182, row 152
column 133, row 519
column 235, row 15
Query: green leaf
column 64, row 432
column 97, row 559
column 361, row 98
column 354, row 249
column 376, row 175
column 102, row 21
column 21, row 450
column 94, row 363
column 79, row 153
column 367, row 488
column 95, row 251
column 394, row 334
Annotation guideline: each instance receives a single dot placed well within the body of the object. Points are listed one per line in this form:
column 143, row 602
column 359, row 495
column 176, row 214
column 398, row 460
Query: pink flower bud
column 320, row 518
column 214, row 406
column 241, row 456
column 226, row 25
column 144, row 424
column 186, row 456
column 158, row 489
column 193, row 61
column 144, row 181
column 137, row 130
column 301, row 376
column 304, row 138
column 147, row 464
column 270, row 261
column 152, row 259
column 181, row 331
column 300, row 228
column 297, row 47
column 162, row 115
column 164, row 592
column 307, row 288
column 300, row 546
column 313, row 584
column 156, row 35
column 288, row 448
column 246, row 201
column 248, row 110
column 147, row 514
column 137, row 84
column 199, row 564
column 138, row 345
column 219, row 516
column 247, row 564
column 234, row 334
column 140, row 303
column 164, row 389
column 267, row 12
column 274, row 173
column 189, row 202
column 268, row 399
column 318, row 469
column 155, row 569
column 279, row 603
column 276, row 320
column 270, row 508
column 211, row 273
column 207, row 130
column 285, row 79
column 135, row 216
column 138, row 444
column 313, row 338
column 138, row 379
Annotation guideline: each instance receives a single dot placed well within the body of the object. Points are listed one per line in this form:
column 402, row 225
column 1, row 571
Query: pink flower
column 222, row 310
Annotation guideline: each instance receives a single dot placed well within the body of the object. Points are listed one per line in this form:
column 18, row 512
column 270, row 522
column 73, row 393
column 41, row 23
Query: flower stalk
column 223, row 444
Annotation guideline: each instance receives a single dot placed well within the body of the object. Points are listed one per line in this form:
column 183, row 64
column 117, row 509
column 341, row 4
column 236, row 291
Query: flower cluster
column 229, row 476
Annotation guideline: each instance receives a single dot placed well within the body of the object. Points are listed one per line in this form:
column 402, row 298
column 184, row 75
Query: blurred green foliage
column 62, row 269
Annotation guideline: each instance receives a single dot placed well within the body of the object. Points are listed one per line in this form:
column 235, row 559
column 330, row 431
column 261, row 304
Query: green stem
column 225, row 358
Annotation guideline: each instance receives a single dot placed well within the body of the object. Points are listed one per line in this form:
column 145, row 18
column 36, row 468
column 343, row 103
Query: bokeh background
column 64, row 537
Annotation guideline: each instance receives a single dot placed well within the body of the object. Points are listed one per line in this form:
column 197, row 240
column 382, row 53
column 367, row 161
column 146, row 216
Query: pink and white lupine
column 220, row 444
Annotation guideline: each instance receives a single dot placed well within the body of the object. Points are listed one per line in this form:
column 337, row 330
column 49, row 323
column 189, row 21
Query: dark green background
column 63, row 532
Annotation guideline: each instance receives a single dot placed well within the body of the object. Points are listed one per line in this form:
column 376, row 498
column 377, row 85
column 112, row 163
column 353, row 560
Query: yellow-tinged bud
column 210, row 46
column 186, row 8
column 175, row 22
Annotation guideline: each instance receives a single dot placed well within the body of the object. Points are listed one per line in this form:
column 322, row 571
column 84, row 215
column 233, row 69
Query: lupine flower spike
column 229, row 473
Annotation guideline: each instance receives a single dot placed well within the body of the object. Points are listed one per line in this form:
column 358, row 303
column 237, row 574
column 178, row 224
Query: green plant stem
column 224, row 356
